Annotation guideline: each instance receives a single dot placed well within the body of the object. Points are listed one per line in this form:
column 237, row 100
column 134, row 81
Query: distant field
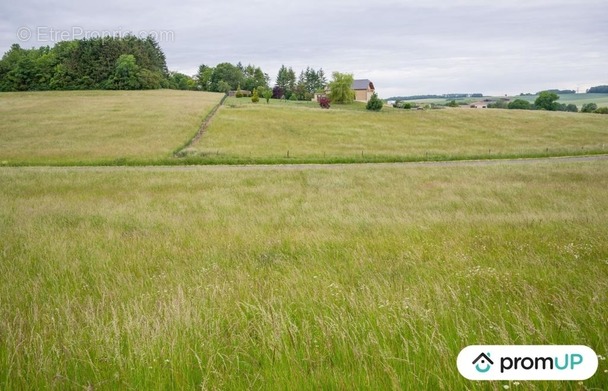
column 266, row 278
column 578, row 99
column 98, row 126
column 304, row 131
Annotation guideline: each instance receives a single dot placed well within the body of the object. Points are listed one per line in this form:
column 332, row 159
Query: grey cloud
column 407, row 47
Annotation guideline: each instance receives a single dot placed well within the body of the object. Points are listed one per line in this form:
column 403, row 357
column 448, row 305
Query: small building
column 364, row 89
column 479, row 105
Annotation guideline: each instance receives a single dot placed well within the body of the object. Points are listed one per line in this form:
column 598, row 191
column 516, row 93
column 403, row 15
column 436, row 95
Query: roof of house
column 362, row 84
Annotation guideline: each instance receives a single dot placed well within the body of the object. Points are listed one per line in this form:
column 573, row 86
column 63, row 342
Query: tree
column 286, row 79
column 95, row 63
column 374, row 103
column 598, row 90
column 126, row 73
column 519, row 104
column 223, row 86
column 203, row 77
column 547, row 101
column 267, row 94
column 572, row 108
column 254, row 78
column 588, row 108
column 256, row 97
column 499, row 104
column 601, row 110
column 225, row 72
column 179, row 81
column 340, row 87
column 149, row 80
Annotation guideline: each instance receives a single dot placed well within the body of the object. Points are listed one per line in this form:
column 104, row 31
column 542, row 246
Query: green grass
column 87, row 128
column 98, row 127
column 267, row 278
column 304, row 132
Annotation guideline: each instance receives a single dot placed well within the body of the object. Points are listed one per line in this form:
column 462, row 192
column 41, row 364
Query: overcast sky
column 404, row 47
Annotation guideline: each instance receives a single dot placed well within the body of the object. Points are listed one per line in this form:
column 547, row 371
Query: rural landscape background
column 237, row 228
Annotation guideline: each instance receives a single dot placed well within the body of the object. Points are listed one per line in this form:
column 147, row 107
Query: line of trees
column 303, row 88
column 111, row 63
column 547, row 100
column 598, row 90
column 226, row 77
column 132, row 63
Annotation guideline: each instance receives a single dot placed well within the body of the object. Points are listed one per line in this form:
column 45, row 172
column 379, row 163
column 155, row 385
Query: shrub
column 239, row 93
column 602, row 110
column 375, row 104
column 519, row 104
column 589, row 108
column 572, row 108
column 324, row 102
column 256, row 97
column 267, row 94
column 277, row 92
column 293, row 96
column 547, row 101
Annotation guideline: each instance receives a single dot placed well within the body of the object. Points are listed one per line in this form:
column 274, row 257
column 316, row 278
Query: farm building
column 479, row 105
column 364, row 89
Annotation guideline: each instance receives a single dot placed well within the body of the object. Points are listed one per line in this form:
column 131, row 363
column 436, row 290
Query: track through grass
column 98, row 127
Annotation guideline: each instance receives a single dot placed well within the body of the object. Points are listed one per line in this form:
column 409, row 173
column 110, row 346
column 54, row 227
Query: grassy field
column 304, row 132
column 98, row 126
column 147, row 127
column 354, row 277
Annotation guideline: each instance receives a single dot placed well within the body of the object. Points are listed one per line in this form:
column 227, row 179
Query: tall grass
column 303, row 132
column 89, row 127
column 235, row 278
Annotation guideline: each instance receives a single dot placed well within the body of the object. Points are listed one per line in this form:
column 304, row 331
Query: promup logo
column 483, row 359
column 527, row 362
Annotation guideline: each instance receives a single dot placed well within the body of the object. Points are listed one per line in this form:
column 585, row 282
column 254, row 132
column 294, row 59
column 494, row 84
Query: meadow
column 302, row 132
column 155, row 128
column 98, row 127
column 334, row 277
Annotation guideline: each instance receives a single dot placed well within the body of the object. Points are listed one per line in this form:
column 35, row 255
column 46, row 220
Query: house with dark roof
column 364, row 89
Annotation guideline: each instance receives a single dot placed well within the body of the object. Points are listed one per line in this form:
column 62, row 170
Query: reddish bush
column 324, row 102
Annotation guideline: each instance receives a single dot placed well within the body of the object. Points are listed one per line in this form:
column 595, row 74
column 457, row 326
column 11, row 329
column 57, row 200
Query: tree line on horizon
column 132, row 63
column 107, row 63
column 548, row 100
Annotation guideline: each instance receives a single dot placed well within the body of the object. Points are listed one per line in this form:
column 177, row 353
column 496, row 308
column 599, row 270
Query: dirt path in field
column 356, row 166
column 203, row 127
